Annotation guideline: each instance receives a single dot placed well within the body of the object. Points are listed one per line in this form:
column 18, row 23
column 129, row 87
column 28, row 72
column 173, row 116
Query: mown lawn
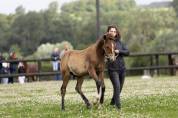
column 154, row 98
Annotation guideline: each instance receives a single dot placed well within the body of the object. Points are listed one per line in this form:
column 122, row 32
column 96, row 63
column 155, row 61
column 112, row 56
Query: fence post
column 157, row 63
column 151, row 64
column 170, row 62
column 39, row 67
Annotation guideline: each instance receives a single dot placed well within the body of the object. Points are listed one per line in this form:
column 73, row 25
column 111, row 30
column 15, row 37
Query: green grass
column 154, row 98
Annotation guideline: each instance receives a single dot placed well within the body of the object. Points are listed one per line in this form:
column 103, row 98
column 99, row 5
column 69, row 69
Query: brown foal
column 90, row 61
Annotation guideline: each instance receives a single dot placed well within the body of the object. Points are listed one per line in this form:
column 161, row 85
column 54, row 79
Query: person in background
column 21, row 69
column 5, row 70
column 1, row 64
column 116, row 69
column 55, row 62
column 12, row 66
column 1, row 59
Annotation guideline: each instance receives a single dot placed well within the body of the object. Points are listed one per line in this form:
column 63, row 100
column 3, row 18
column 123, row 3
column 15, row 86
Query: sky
column 9, row 6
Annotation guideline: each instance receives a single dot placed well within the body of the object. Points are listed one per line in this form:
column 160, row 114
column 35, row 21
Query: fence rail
column 153, row 54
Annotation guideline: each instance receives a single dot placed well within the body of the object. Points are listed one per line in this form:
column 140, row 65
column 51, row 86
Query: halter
column 107, row 56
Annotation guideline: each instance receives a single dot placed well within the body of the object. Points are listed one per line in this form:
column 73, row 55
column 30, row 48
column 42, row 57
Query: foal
column 90, row 61
column 29, row 69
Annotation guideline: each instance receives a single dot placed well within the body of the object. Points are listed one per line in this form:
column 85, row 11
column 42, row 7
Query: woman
column 116, row 69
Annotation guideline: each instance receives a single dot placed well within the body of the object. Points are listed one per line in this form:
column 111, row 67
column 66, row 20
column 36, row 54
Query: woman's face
column 113, row 32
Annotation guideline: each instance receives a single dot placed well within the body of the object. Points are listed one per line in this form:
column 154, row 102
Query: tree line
column 142, row 29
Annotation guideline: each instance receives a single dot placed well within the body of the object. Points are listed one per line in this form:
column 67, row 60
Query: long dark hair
column 118, row 35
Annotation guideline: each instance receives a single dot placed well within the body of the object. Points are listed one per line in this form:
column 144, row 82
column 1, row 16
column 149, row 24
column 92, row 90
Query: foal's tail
column 65, row 76
column 64, row 63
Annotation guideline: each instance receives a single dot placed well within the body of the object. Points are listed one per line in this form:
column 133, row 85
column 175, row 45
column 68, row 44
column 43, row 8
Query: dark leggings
column 117, row 79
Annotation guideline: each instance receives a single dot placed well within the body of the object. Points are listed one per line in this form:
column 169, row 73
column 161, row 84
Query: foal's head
column 109, row 46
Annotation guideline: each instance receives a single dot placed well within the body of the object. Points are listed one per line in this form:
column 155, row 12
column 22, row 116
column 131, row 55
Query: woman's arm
column 123, row 51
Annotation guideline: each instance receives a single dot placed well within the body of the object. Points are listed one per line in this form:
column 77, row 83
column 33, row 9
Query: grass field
column 154, row 98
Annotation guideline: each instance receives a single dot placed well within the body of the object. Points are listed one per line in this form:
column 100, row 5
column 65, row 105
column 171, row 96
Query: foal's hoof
column 101, row 101
column 62, row 109
column 96, row 99
column 89, row 106
column 100, row 106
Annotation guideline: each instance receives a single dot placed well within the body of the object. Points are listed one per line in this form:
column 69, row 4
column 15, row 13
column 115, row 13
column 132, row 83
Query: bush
column 45, row 50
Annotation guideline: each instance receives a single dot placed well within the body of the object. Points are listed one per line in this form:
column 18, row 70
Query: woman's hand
column 116, row 51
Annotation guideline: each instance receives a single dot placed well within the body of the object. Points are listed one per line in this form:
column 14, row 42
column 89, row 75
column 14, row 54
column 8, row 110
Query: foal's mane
column 99, row 47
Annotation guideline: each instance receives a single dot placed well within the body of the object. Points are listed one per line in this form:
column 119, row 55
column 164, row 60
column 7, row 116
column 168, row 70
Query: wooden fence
column 154, row 64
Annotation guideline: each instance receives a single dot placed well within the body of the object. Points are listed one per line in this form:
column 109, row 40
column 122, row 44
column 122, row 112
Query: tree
column 4, row 32
column 80, row 22
column 50, row 16
column 165, row 43
column 146, row 25
column 27, row 32
column 76, row 23
column 20, row 10
column 175, row 5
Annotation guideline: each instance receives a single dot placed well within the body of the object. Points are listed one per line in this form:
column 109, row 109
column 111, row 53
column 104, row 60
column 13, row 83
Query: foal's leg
column 78, row 89
column 92, row 73
column 102, row 90
column 63, row 88
column 33, row 78
column 98, row 91
column 98, row 87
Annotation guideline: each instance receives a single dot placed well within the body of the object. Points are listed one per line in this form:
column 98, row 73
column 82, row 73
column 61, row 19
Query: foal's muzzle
column 111, row 57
